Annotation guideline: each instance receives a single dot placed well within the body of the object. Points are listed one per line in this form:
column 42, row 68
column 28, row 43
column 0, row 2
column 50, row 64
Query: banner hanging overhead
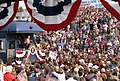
column 52, row 15
column 113, row 6
column 7, row 13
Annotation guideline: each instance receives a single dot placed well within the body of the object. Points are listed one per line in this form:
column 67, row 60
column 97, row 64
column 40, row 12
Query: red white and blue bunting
column 7, row 13
column 20, row 54
column 113, row 6
column 52, row 15
column 32, row 53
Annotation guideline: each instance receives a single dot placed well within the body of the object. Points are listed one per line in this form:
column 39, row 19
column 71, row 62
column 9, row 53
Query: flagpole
column 6, row 1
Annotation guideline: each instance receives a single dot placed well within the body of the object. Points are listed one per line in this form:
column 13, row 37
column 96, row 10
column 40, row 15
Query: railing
column 10, row 53
column 6, row 54
column 3, row 55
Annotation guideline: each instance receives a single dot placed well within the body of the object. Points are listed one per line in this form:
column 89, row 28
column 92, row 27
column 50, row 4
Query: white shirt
column 1, row 76
column 61, row 77
column 71, row 79
column 28, row 40
column 109, row 44
column 2, row 69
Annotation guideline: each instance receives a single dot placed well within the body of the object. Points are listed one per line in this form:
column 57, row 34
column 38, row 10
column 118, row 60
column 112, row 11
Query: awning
column 22, row 27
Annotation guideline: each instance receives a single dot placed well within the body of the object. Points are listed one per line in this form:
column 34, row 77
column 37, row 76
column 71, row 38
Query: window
column 1, row 45
column 12, row 44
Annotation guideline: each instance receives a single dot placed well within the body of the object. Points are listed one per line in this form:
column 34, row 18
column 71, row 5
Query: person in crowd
column 2, row 67
column 20, row 74
column 1, row 76
column 8, row 76
column 103, row 74
column 70, row 77
column 89, row 49
column 59, row 73
column 27, row 42
column 81, row 75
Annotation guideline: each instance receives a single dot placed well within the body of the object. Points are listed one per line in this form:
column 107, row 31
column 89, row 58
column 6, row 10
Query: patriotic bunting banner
column 113, row 6
column 42, row 52
column 33, row 56
column 32, row 53
column 7, row 13
column 20, row 53
column 52, row 15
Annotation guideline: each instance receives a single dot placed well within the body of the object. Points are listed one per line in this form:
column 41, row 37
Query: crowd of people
column 87, row 50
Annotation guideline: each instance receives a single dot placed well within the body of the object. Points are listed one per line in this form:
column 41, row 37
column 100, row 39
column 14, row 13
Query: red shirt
column 103, row 44
column 9, row 77
column 88, row 41
column 99, row 64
